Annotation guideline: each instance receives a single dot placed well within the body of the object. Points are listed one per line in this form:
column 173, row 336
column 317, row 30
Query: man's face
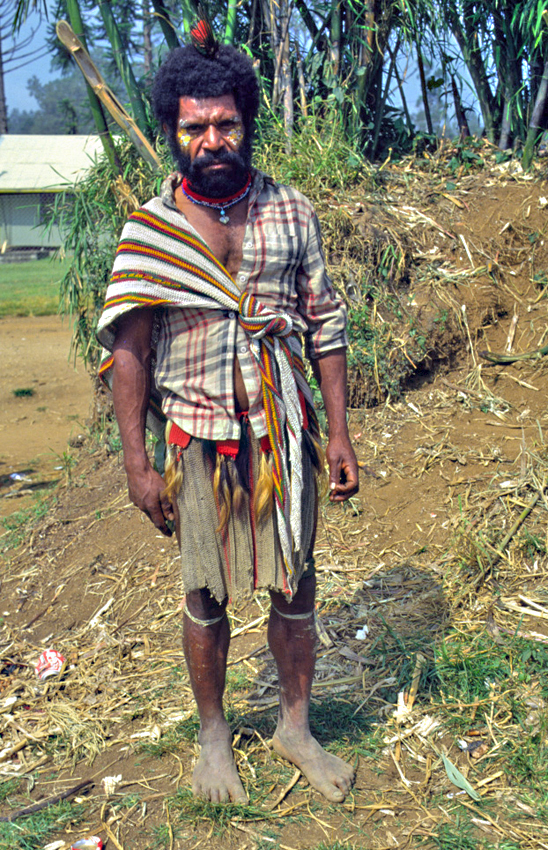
column 209, row 145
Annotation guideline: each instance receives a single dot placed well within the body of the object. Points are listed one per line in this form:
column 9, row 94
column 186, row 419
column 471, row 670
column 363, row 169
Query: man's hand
column 343, row 469
column 330, row 372
column 145, row 491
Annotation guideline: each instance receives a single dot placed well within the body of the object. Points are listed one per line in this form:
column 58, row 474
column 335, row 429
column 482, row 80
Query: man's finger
column 159, row 520
column 167, row 509
column 341, row 490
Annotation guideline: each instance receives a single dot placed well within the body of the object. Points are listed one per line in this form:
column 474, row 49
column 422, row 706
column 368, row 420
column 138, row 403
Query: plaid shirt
column 283, row 266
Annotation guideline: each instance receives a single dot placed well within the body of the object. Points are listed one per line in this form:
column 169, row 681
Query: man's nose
column 213, row 139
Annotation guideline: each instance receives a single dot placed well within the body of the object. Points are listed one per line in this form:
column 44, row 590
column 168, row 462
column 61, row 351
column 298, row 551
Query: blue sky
column 15, row 82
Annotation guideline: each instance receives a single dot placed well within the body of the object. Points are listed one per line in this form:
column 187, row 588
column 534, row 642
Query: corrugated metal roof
column 44, row 163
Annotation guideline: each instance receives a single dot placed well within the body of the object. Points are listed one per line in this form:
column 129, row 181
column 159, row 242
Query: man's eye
column 227, row 126
column 193, row 129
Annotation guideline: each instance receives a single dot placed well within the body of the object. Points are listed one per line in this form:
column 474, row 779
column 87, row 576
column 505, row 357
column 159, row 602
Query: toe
column 334, row 794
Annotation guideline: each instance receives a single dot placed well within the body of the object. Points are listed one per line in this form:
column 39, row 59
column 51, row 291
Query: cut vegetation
column 433, row 602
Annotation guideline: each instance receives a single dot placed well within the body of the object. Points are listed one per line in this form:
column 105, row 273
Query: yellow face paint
column 235, row 136
column 184, row 139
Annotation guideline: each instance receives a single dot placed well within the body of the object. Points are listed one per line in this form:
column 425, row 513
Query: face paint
column 184, row 138
column 235, row 136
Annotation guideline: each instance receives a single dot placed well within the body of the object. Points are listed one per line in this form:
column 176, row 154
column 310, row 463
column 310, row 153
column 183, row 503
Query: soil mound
column 445, row 542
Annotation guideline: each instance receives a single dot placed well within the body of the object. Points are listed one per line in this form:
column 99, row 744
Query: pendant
column 223, row 218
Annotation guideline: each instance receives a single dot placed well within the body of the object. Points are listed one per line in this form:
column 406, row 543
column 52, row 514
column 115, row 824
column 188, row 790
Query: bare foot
column 328, row 774
column 215, row 777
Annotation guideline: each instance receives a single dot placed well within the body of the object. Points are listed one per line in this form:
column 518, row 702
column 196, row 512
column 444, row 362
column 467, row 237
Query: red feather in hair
column 202, row 35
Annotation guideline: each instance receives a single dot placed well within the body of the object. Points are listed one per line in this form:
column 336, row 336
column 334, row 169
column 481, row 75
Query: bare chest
column 224, row 240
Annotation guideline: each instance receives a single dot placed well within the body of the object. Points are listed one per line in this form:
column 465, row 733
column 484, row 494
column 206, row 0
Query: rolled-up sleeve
column 323, row 311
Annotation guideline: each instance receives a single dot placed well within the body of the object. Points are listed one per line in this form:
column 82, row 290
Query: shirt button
column 243, row 278
column 249, row 244
column 243, row 349
column 231, row 315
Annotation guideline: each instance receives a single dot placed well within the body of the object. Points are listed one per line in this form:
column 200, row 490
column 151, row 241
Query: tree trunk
column 474, row 62
column 508, row 64
column 302, row 83
column 95, row 104
column 147, row 39
column 165, row 22
column 464, row 129
column 335, row 37
column 269, row 15
column 535, row 125
column 365, row 58
column 379, row 115
column 506, row 122
column 406, row 112
column 424, row 92
column 284, row 74
column 252, row 25
column 370, row 32
column 308, row 20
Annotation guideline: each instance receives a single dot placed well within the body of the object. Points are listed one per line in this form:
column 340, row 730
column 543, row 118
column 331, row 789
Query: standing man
column 213, row 285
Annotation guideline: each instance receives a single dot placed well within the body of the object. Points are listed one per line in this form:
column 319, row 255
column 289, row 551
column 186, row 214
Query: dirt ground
column 36, row 426
column 96, row 581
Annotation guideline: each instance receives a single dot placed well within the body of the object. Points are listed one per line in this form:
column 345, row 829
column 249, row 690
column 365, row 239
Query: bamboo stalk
column 101, row 89
column 95, row 106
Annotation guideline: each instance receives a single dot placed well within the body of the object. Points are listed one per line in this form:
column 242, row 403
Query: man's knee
column 302, row 602
column 202, row 605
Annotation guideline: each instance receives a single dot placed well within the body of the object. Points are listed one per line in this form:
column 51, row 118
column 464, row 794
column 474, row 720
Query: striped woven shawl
column 162, row 261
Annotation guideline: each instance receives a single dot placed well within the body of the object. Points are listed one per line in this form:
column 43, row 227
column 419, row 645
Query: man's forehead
column 202, row 108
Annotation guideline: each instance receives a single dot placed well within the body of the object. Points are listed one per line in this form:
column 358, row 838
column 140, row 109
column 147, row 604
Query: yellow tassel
column 322, row 477
column 221, row 492
column 263, row 492
column 238, row 497
column 173, row 471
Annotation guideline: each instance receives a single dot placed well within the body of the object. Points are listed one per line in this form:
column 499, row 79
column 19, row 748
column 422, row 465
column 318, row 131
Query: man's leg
column 206, row 647
column 292, row 640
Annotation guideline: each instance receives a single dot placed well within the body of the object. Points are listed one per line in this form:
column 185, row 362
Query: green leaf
column 456, row 777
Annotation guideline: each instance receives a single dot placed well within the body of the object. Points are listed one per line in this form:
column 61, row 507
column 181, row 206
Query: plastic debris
column 49, row 663
column 110, row 783
column 92, row 843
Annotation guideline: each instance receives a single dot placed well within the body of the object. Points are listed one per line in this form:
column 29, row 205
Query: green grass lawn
column 30, row 288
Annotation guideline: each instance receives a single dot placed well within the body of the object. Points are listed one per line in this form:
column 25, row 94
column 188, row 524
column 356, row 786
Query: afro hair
column 186, row 73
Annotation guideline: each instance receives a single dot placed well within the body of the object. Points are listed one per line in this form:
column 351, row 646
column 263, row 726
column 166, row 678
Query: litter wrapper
column 50, row 664
column 92, row 843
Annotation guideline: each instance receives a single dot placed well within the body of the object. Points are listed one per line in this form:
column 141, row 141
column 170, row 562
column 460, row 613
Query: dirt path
column 35, row 428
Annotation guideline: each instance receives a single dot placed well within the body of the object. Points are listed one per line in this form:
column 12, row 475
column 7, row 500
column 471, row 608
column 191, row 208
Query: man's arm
column 131, row 393
column 330, row 372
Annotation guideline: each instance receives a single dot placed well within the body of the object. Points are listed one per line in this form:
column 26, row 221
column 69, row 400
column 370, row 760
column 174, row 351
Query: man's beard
column 217, row 183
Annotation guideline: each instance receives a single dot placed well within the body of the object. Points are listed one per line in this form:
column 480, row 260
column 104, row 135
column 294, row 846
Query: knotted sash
column 162, row 261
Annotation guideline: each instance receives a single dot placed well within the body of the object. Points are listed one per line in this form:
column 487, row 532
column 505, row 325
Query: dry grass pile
column 433, row 655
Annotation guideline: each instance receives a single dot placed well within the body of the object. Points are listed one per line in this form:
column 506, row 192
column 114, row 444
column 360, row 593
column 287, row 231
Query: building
column 32, row 170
